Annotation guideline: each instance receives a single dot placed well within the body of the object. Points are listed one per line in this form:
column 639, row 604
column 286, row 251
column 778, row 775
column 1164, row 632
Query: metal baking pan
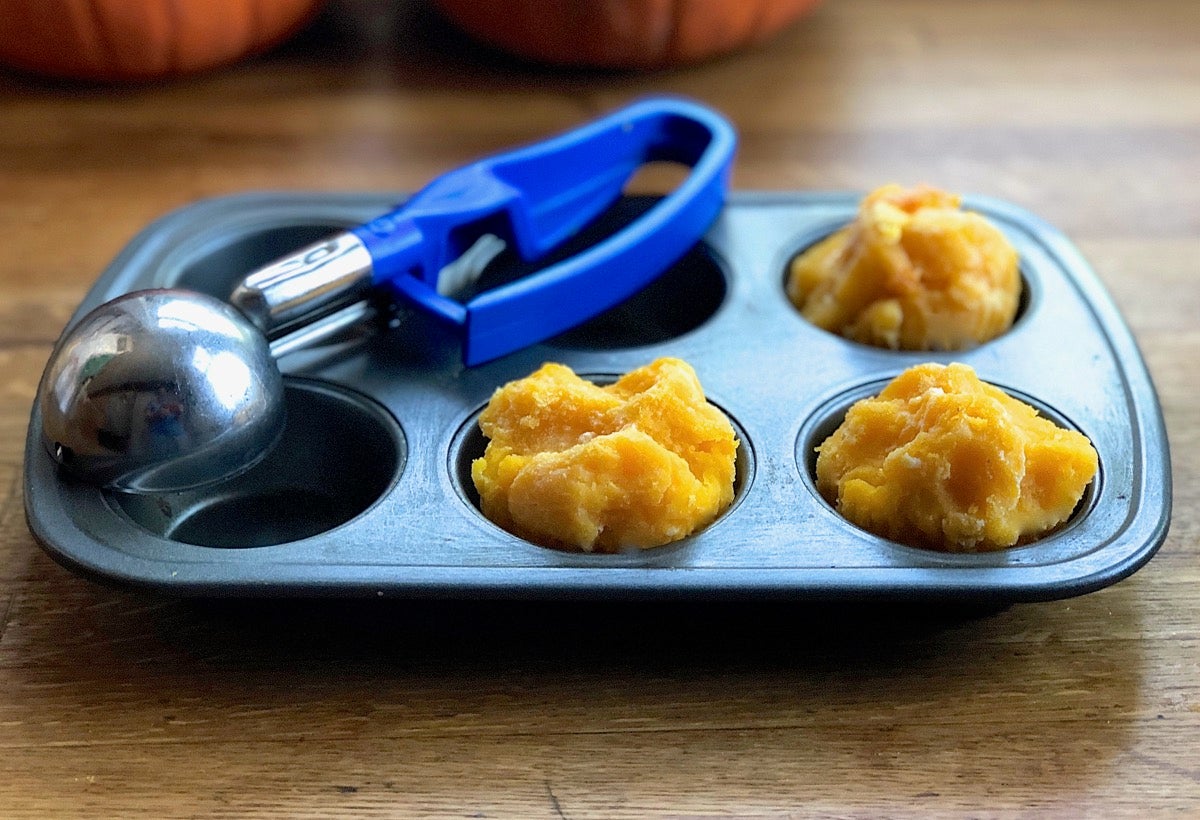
column 369, row 492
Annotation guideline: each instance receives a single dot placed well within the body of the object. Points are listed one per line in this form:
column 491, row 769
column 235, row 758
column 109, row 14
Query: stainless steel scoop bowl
column 161, row 390
column 164, row 390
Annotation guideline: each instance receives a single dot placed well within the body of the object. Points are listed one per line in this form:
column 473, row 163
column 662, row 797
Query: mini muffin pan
column 369, row 492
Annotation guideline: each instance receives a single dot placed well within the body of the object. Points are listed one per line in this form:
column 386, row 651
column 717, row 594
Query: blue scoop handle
column 538, row 196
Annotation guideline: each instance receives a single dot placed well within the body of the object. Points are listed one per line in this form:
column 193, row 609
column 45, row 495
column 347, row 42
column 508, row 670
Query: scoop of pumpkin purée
column 912, row 272
column 940, row 459
column 634, row 464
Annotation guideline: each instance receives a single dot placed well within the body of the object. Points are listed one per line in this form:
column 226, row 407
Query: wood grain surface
column 123, row 704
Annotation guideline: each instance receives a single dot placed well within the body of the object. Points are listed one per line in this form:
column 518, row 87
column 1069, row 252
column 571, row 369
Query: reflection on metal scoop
column 160, row 390
column 165, row 390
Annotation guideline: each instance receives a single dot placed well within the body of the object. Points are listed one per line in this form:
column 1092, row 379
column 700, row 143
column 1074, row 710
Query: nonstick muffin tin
column 369, row 492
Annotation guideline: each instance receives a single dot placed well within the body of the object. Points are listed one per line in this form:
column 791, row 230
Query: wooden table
column 117, row 704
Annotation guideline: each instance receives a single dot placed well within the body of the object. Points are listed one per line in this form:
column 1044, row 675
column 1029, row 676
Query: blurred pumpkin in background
column 142, row 39
column 622, row 33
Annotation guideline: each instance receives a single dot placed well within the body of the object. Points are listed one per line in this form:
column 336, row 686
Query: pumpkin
column 622, row 33
column 141, row 39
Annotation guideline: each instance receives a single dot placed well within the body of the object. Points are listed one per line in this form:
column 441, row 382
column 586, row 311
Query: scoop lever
column 530, row 199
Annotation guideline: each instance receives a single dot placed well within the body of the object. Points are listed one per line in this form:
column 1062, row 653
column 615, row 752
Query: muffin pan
column 369, row 491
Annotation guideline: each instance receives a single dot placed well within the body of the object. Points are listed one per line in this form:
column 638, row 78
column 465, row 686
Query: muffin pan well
column 369, row 491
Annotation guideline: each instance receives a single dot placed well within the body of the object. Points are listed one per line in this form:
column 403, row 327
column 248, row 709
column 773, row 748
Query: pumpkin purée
column 912, row 272
column 634, row 464
column 943, row 460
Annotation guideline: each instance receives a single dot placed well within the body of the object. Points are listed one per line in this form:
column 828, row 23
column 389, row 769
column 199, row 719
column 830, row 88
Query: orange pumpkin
column 141, row 39
column 623, row 33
